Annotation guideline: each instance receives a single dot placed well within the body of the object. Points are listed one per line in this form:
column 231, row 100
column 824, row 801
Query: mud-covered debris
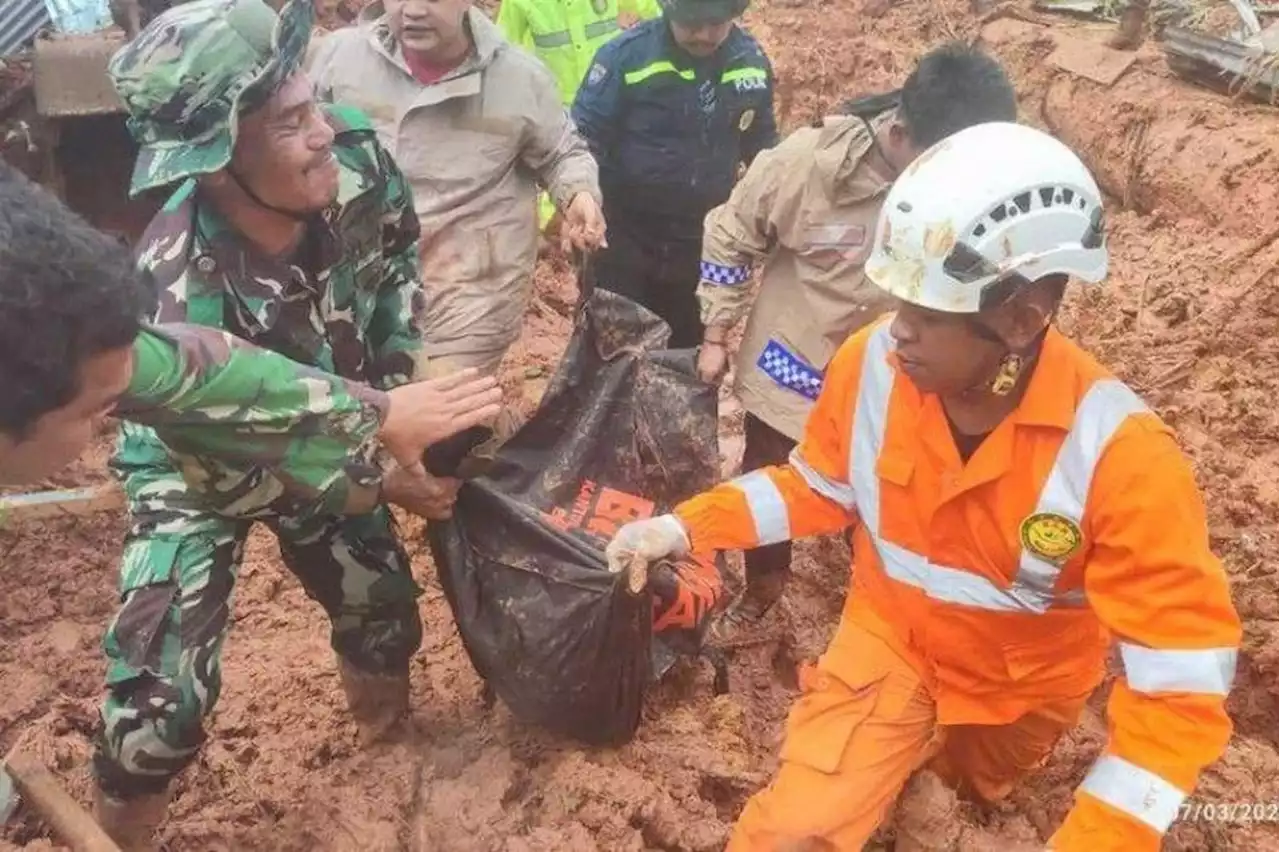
column 1223, row 64
column 665, row 826
column 1090, row 59
column 926, row 815
column 71, row 74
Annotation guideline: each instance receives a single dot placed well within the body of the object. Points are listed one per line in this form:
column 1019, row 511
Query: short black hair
column 955, row 86
column 68, row 292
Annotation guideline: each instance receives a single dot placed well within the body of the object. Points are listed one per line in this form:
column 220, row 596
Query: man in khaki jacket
column 807, row 209
column 476, row 125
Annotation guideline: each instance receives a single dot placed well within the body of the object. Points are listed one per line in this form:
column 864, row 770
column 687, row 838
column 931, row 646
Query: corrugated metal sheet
column 20, row 20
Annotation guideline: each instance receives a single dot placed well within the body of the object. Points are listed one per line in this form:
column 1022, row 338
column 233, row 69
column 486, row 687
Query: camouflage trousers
column 177, row 578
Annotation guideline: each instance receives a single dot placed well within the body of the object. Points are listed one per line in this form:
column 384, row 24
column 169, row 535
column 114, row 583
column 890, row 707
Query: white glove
column 639, row 544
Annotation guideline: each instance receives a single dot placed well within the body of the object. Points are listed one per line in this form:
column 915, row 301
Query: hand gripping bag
column 625, row 430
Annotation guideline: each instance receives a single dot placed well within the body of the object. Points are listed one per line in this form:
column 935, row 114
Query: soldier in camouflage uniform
column 291, row 228
column 77, row 350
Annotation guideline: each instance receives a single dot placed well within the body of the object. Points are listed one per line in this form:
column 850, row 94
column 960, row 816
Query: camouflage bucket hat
column 188, row 76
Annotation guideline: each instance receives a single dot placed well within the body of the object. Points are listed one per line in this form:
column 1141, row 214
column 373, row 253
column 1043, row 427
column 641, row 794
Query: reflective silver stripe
column 1100, row 413
column 835, row 491
column 1137, row 792
column 947, row 585
column 1104, row 407
column 596, row 29
column 869, row 414
column 549, row 40
column 768, row 509
column 954, row 585
column 1207, row 671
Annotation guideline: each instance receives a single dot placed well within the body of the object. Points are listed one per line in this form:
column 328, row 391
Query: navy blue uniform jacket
column 668, row 129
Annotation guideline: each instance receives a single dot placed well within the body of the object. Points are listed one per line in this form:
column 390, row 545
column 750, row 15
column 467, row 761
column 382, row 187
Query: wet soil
column 1188, row 317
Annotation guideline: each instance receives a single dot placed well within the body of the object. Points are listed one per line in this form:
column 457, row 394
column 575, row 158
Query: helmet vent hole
column 1068, row 195
column 1046, row 196
column 904, row 206
column 1023, row 200
column 997, row 214
column 979, row 230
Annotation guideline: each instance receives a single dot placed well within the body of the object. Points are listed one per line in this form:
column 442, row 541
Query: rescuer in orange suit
column 1020, row 508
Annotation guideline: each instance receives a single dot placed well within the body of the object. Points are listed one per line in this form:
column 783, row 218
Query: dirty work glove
column 639, row 544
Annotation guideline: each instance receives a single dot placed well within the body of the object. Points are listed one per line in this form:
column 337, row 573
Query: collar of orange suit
column 1048, row 402
column 922, row 436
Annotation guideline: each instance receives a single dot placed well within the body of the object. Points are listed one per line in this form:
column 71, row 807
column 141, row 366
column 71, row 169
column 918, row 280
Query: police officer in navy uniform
column 671, row 109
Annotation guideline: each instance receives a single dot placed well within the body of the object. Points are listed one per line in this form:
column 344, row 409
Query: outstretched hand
column 427, row 412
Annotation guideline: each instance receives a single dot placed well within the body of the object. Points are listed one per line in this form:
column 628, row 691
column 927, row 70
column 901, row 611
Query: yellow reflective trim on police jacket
column 733, row 75
column 662, row 66
column 550, row 40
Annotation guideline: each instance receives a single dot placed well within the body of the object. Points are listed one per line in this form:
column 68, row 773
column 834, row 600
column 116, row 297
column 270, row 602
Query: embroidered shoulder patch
column 1052, row 537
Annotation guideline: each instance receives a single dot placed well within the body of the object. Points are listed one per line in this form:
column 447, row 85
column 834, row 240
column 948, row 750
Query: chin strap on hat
column 300, row 216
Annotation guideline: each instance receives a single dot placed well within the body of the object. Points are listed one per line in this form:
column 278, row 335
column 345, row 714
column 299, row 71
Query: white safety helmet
column 989, row 202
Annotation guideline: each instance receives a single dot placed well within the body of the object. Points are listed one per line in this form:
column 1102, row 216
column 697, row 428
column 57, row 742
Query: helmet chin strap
column 296, row 215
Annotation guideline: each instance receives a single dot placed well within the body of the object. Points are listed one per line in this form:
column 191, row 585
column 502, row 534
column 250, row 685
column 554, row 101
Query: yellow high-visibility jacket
column 565, row 34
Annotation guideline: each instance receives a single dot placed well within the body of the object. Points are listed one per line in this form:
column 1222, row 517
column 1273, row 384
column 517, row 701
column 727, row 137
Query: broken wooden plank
column 69, row 502
column 70, row 821
column 1091, row 60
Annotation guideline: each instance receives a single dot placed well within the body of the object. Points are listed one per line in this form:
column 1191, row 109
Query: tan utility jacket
column 474, row 146
column 808, row 208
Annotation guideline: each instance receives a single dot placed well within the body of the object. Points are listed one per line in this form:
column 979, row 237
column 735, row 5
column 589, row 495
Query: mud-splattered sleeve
column 553, row 149
column 745, row 229
column 209, row 393
column 395, row 330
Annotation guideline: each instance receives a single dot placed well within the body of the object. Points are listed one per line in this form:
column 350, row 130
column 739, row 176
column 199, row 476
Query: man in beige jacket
column 807, row 209
column 476, row 125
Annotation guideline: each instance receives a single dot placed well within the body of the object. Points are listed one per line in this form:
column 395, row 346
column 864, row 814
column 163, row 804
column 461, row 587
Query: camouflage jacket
column 354, row 313
column 208, row 393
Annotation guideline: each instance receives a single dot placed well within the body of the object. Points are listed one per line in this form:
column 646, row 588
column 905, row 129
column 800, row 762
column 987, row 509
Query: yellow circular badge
column 1054, row 538
column 744, row 120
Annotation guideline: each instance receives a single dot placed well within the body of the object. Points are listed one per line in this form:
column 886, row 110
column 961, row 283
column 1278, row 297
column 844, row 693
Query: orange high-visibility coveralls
column 984, row 598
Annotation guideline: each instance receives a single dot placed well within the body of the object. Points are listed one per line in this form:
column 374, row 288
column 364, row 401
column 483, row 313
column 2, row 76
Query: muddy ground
column 1189, row 317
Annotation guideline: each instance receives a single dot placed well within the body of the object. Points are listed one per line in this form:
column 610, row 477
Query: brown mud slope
column 1189, row 317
